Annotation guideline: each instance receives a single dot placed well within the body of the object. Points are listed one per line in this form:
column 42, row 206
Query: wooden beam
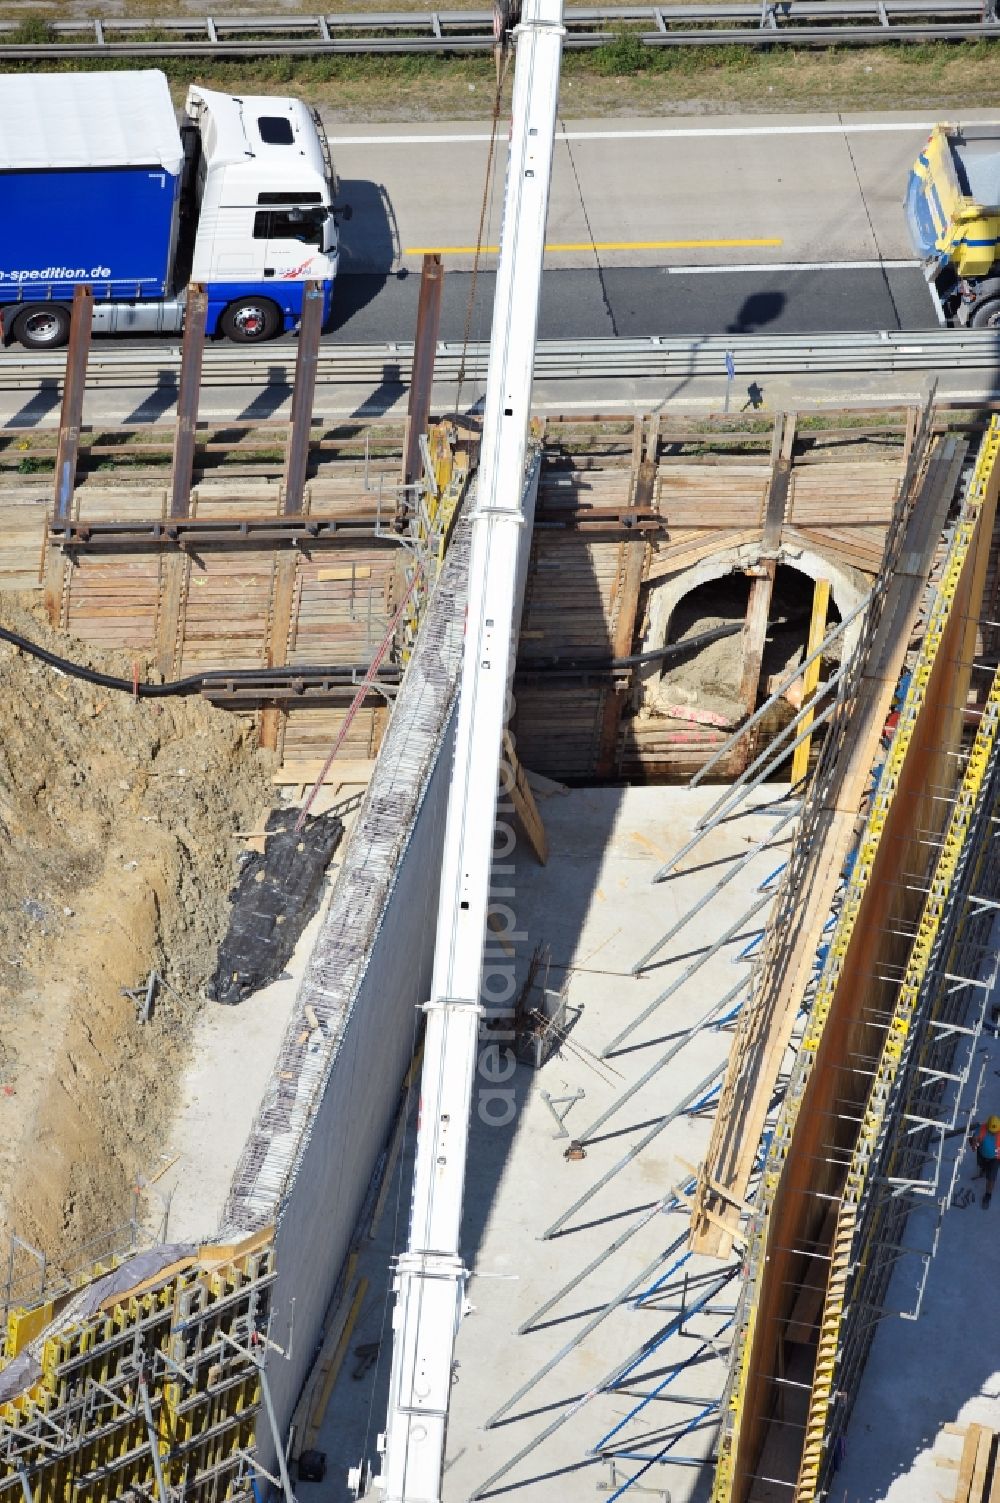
column 978, row 1484
column 755, row 633
column 625, row 607
column 523, row 800
column 175, row 571
column 276, row 645
column 817, row 631
column 970, row 1451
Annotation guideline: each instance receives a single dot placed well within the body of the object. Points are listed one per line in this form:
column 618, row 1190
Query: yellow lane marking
column 587, row 245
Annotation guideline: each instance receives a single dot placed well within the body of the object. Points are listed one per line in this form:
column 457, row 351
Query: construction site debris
column 277, row 894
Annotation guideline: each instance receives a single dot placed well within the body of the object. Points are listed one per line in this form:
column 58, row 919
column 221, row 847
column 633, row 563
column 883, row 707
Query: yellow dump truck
column 953, row 210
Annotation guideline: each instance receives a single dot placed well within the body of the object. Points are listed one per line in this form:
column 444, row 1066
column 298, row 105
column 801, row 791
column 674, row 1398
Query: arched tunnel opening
column 717, row 683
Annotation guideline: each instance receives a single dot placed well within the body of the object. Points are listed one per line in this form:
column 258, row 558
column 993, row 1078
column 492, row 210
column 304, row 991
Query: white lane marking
column 684, row 133
column 758, row 266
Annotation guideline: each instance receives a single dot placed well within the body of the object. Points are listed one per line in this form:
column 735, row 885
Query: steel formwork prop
column 961, row 579
column 68, row 448
column 303, row 398
column 418, row 408
column 188, row 393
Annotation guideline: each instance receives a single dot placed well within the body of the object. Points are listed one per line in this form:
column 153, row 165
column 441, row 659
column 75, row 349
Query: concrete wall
column 356, row 1109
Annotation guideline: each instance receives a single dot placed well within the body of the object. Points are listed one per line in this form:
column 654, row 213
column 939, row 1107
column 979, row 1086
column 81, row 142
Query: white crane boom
column 430, row 1275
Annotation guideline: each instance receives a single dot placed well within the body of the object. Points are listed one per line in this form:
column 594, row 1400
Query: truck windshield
column 305, row 225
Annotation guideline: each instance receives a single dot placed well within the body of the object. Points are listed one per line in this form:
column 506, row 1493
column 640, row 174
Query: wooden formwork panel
column 342, row 605
column 310, row 733
column 226, row 610
column 730, row 495
column 584, row 489
column 843, row 493
column 558, row 730
column 120, row 503
column 825, row 1109
column 22, row 536
column 856, row 547
column 568, row 596
column 686, row 547
column 112, row 601
column 219, row 500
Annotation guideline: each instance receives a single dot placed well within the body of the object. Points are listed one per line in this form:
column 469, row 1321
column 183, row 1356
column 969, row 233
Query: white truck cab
column 264, row 195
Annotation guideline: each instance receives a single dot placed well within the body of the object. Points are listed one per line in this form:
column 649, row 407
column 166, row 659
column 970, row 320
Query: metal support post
column 705, row 1021
column 762, row 845
column 775, row 752
column 668, row 1203
column 154, row 1439
column 265, row 1388
column 68, row 449
column 188, row 395
column 71, row 416
column 303, row 398
column 609, row 1381
column 422, row 372
column 659, row 1126
column 686, row 975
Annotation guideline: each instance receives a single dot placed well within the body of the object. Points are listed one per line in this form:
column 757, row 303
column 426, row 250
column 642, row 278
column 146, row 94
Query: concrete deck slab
column 596, row 910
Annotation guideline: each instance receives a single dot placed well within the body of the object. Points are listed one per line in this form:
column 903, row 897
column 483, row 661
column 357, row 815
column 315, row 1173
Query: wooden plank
column 343, row 771
column 523, row 800
column 995, row 1485
column 279, row 621
column 817, row 631
column 625, row 609
column 781, row 474
column 754, row 635
column 970, row 1452
column 978, row 1484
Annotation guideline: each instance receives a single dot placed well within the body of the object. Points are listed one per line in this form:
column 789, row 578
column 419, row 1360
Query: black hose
column 655, row 654
column 193, row 684
column 606, row 665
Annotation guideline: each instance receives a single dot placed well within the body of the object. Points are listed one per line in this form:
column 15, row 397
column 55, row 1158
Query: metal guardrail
column 753, row 22
column 654, row 358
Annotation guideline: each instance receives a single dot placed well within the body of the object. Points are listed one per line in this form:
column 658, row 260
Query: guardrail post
column 422, row 377
column 68, row 451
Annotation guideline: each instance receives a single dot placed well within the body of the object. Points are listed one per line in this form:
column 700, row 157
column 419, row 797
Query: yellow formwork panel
column 24, row 1325
column 82, row 1366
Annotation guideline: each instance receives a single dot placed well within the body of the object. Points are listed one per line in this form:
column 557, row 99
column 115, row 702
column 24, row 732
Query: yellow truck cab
column 953, row 211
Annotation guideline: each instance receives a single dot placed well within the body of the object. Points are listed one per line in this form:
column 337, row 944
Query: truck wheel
column 987, row 315
column 45, row 326
column 251, row 320
column 986, row 309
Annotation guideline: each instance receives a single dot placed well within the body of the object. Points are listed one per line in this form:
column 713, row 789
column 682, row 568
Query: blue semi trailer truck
column 101, row 185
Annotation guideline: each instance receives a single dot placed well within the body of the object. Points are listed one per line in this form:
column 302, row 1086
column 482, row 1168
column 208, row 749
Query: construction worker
column 985, row 1139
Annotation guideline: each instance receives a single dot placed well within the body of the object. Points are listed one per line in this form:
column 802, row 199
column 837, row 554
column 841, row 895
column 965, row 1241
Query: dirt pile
column 117, row 819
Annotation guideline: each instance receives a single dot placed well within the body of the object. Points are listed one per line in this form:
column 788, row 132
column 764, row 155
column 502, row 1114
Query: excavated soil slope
column 117, row 819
